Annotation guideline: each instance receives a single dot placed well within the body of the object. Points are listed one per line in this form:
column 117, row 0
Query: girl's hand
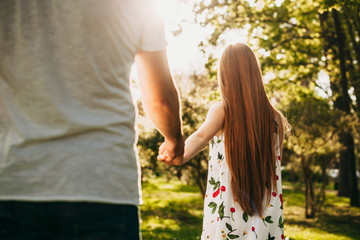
column 163, row 154
column 171, row 152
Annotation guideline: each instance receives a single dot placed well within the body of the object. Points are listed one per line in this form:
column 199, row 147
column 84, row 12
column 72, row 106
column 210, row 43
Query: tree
column 313, row 141
column 338, row 19
column 295, row 40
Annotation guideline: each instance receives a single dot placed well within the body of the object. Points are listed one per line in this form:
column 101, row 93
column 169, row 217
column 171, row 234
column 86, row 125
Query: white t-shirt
column 66, row 112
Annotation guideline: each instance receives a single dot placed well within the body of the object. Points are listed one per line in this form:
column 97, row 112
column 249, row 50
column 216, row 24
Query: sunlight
column 183, row 51
column 184, row 54
column 252, row 3
column 278, row 2
column 234, row 36
column 323, row 85
column 166, row 8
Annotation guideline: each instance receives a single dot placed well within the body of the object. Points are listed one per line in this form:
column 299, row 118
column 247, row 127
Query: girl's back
column 225, row 219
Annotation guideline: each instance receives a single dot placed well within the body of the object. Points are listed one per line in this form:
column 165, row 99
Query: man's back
column 67, row 117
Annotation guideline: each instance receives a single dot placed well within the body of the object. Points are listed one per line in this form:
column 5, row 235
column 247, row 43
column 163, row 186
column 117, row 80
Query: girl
column 244, row 197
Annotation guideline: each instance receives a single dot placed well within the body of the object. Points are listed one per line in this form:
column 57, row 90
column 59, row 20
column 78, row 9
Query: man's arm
column 160, row 100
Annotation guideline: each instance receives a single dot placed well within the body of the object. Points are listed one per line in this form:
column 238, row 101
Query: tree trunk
column 344, row 180
column 347, row 186
column 310, row 209
column 200, row 173
column 340, row 40
column 354, row 191
column 321, row 197
column 179, row 172
column 355, row 80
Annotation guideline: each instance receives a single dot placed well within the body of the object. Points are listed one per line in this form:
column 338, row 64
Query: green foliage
column 314, row 125
column 294, row 41
column 313, row 143
column 148, row 145
column 289, row 33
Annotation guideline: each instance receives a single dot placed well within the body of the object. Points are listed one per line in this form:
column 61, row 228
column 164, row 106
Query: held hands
column 171, row 151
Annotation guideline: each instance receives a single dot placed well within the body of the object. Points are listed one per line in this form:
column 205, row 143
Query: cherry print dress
column 223, row 218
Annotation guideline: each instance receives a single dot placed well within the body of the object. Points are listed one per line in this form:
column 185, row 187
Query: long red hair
column 249, row 128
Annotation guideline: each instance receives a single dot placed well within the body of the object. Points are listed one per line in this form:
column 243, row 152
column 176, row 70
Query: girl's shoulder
column 216, row 115
column 217, row 108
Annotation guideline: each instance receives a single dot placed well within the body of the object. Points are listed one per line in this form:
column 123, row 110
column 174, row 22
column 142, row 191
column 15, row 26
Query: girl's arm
column 197, row 141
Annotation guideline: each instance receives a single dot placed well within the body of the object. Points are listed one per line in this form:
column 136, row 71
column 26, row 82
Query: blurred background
column 309, row 52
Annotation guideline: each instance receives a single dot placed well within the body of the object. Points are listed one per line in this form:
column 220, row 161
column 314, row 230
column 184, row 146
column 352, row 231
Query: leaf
column 270, row 237
column 221, row 210
column 228, row 226
column 217, row 185
column 281, row 223
column 233, row 236
column 245, row 217
column 212, row 181
column 213, row 205
column 268, row 219
column 220, row 156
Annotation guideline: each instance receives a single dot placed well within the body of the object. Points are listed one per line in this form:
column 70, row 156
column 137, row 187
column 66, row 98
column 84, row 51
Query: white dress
column 223, row 218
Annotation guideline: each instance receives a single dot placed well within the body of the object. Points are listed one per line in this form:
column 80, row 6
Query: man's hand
column 161, row 102
column 171, row 151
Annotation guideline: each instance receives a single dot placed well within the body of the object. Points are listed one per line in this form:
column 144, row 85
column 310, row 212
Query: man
column 68, row 168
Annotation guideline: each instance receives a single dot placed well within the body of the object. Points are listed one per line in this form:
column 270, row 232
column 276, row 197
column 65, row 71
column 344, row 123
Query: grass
column 336, row 221
column 173, row 210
